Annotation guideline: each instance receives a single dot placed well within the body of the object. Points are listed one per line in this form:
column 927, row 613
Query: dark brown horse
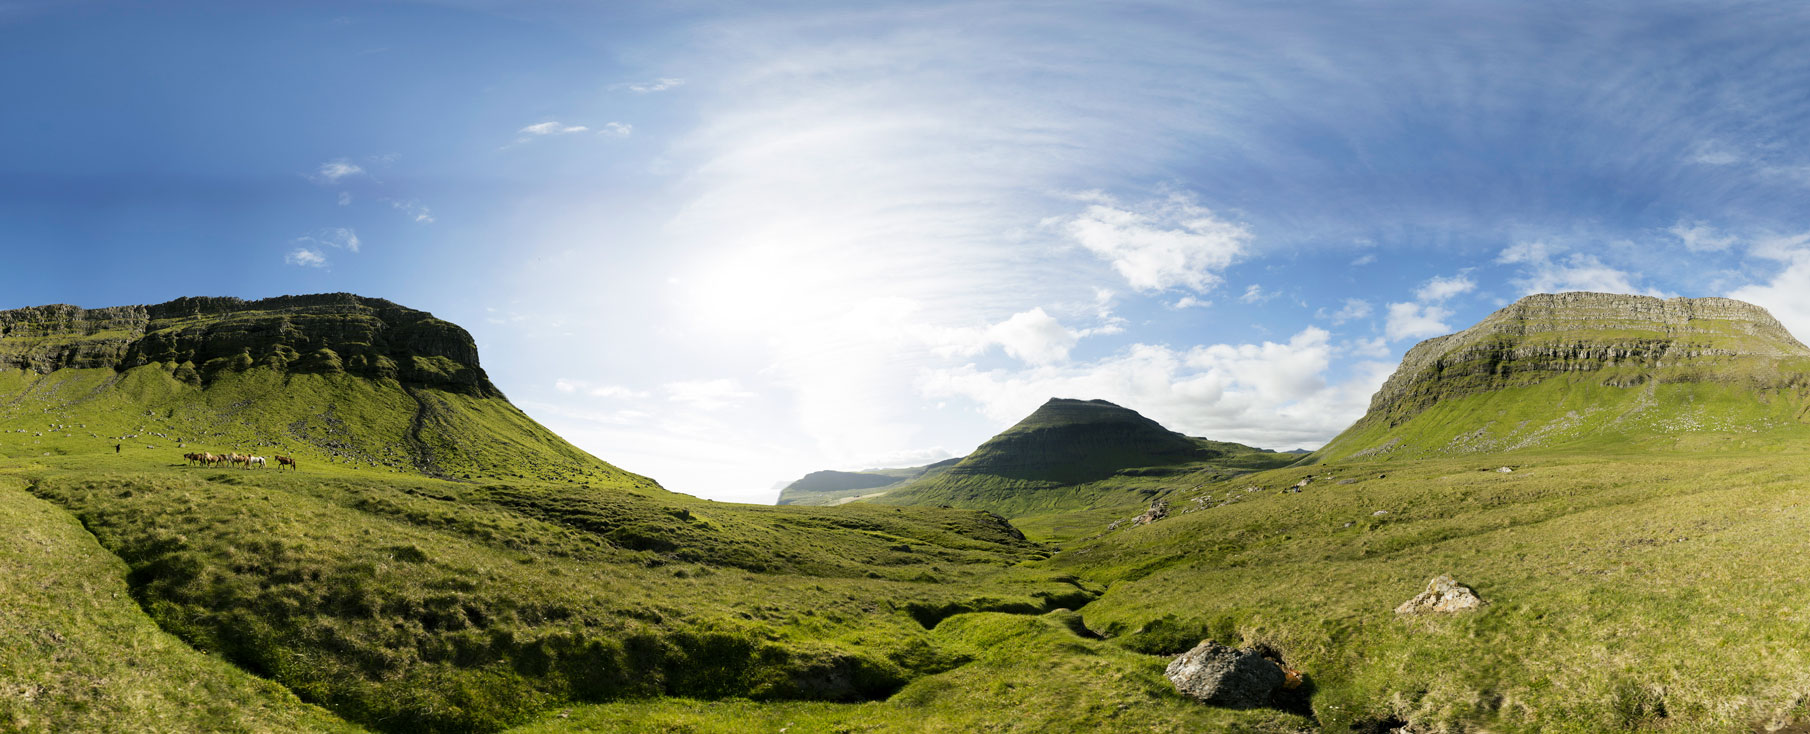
column 287, row 461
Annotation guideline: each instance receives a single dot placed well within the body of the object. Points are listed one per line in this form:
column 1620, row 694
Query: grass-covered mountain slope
column 831, row 487
column 440, row 562
column 1588, row 370
column 332, row 378
column 1071, row 462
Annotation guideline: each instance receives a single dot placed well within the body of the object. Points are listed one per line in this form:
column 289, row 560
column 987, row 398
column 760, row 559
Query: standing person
column 116, row 447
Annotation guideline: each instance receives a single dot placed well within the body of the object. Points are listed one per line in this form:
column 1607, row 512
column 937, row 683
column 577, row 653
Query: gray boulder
column 1444, row 595
column 1222, row 676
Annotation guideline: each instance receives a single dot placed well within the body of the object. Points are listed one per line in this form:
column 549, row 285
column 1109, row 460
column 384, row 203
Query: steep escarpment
column 199, row 338
column 1645, row 364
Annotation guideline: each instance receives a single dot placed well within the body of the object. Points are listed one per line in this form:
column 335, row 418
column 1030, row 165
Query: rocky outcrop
column 1158, row 510
column 1444, row 595
column 1222, row 676
column 1547, row 334
column 199, row 337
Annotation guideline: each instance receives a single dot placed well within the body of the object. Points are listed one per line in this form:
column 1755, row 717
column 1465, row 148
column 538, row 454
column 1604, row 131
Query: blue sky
column 725, row 245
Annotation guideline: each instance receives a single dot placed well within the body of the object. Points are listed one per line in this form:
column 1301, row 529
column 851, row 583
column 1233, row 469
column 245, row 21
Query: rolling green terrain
column 1642, row 559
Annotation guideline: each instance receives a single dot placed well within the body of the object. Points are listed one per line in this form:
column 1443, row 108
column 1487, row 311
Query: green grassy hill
column 329, row 379
column 1592, row 370
column 1075, row 464
column 440, row 562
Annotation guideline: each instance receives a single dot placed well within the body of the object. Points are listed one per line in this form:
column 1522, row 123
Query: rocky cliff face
column 1632, row 338
column 326, row 333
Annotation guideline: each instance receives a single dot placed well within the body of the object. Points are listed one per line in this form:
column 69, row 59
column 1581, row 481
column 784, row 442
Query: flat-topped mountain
column 332, row 378
column 1571, row 366
column 325, row 334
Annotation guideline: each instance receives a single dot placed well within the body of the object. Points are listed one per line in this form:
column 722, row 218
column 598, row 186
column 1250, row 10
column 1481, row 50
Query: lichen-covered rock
column 1444, row 595
column 1222, row 676
column 1158, row 510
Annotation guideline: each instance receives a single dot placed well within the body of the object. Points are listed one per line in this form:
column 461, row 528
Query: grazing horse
column 251, row 461
column 239, row 459
column 287, row 461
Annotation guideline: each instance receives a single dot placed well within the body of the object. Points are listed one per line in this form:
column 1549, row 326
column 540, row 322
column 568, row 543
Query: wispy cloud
column 1352, row 310
column 551, row 127
column 1546, row 268
column 583, row 387
column 616, row 129
column 332, row 171
column 1426, row 315
column 707, row 394
column 305, row 257
column 658, row 85
column 1700, row 237
column 345, row 198
column 343, row 238
column 414, row 209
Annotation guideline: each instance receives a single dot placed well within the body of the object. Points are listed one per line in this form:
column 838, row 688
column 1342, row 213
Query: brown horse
column 287, row 461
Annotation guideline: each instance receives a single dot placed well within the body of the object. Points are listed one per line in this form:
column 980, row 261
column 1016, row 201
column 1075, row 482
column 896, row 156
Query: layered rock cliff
column 1576, row 369
column 1546, row 334
column 199, row 337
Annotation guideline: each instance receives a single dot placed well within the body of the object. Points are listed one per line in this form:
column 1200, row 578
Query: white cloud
column 1376, row 348
column 1034, row 337
column 345, row 198
column 306, row 258
column 334, row 170
column 1254, row 293
column 1440, row 289
column 1711, row 153
column 658, row 85
column 414, row 209
column 1700, row 237
column 1416, row 321
column 616, row 129
column 551, row 127
column 340, row 237
column 1364, row 259
column 1271, row 394
column 1532, row 251
column 1787, row 294
column 1189, row 302
column 1580, row 272
column 1354, row 309
column 1167, row 243
column 597, row 391
column 1544, row 271
column 707, row 394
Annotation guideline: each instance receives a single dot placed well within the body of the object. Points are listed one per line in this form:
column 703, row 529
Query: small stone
column 1444, row 595
column 1505, row 470
column 1222, row 676
column 1379, row 513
